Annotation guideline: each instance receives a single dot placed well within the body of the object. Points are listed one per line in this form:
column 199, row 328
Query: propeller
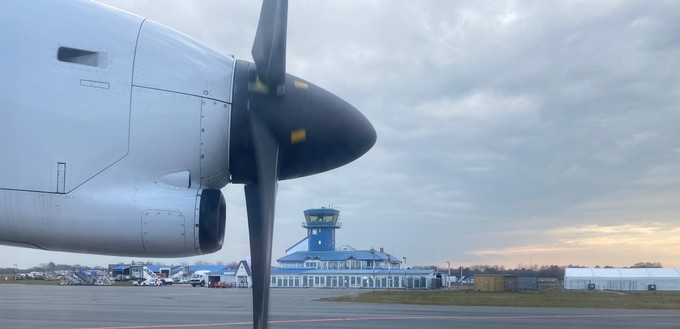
column 269, row 46
column 283, row 127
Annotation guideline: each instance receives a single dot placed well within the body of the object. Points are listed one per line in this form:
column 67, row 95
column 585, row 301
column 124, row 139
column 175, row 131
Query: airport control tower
column 321, row 225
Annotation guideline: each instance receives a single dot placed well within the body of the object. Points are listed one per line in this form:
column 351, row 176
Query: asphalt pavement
column 117, row 307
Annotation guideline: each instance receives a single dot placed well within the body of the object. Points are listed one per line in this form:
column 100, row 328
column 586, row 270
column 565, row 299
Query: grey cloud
column 498, row 122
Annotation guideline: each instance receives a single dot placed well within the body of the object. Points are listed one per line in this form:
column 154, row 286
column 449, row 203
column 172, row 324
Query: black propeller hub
column 316, row 130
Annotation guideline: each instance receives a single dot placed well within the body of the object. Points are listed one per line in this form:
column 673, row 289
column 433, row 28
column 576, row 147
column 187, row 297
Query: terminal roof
column 358, row 255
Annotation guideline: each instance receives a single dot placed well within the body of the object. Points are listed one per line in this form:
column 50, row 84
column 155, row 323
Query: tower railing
column 322, row 224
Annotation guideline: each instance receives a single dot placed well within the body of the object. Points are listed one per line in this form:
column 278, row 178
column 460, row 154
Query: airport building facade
column 316, row 262
column 231, row 277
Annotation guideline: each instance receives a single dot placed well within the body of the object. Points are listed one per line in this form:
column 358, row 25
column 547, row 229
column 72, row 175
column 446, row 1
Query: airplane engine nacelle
column 135, row 222
column 114, row 133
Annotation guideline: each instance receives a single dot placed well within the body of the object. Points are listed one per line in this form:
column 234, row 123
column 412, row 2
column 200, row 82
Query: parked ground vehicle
column 147, row 282
column 219, row 284
column 121, row 278
column 200, row 278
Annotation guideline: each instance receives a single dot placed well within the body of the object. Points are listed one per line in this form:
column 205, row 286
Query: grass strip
column 549, row 298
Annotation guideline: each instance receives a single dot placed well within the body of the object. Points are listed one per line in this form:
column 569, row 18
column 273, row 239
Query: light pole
column 404, row 273
column 461, row 276
column 389, row 273
column 373, row 254
column 16, row 271
column 448, row 279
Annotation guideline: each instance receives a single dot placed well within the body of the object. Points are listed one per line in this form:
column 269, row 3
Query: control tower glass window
column 320, row 218
column 313, row 218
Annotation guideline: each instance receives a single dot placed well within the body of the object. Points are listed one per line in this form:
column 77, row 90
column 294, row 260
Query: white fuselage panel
column 169, row 60
column 63, row 119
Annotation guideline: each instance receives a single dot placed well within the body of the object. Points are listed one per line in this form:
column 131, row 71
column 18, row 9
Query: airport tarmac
column 73, row 307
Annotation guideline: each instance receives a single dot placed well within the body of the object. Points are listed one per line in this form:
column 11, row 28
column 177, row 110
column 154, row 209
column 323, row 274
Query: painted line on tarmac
column 387, row 318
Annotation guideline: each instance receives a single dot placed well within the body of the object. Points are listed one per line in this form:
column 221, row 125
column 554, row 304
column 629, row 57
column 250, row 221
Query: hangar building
column 504, row 282
column 622, row 279
column 315, row 262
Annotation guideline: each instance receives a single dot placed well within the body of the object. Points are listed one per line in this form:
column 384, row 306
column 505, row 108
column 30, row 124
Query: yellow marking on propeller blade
column 258, row 87
column 301, row 85
column 297, row 136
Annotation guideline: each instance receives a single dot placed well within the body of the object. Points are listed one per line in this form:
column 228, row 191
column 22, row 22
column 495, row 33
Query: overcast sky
column 514, row 133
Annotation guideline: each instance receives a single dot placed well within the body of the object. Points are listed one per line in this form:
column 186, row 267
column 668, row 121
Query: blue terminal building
column 315, row 261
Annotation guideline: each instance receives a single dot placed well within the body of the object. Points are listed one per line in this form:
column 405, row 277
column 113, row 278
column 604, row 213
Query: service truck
column 200, row 278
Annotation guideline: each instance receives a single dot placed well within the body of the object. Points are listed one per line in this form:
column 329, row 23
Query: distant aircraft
column 117, row 133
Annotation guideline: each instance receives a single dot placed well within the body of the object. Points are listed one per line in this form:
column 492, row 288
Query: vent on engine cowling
column 81, row 56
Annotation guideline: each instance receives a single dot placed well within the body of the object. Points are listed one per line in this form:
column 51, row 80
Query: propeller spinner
column 283, row 127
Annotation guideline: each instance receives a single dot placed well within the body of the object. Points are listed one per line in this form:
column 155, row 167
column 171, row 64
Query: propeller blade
column 269, row 47
column 308, row 131
column 260, row 204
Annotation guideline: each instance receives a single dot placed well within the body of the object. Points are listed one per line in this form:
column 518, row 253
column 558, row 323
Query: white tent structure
column 623, row 279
